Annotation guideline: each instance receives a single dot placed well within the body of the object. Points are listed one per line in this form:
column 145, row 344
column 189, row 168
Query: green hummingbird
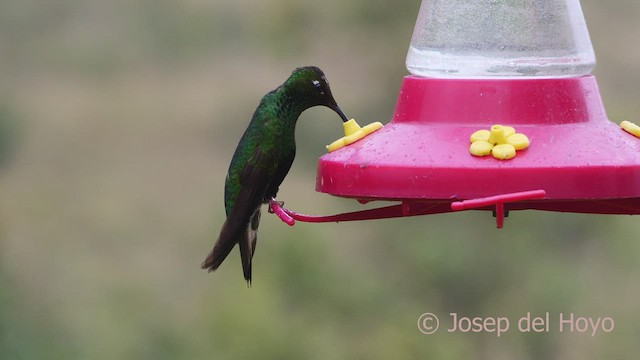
column 262, row 160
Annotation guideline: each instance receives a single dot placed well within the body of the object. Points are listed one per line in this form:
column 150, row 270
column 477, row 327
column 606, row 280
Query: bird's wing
column 284, row 165
column 254, row 179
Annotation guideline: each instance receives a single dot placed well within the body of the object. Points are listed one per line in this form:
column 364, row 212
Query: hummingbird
column 263, row 158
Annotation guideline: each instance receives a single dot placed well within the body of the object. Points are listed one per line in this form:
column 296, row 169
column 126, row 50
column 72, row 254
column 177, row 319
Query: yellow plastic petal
column 508, row 130
column 348, row 140
column 503, row 152
column 631, row 128
column 480, row 135
column 368, row 129
column 519, row 141
column 336, row 145
column 480, row 148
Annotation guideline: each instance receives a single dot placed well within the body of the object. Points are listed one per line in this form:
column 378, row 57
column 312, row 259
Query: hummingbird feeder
column 474, row 64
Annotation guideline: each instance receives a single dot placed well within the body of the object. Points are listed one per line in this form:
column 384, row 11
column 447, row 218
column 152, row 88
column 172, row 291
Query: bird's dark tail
column 223, row 246
column 248, row 244
column 246, row 235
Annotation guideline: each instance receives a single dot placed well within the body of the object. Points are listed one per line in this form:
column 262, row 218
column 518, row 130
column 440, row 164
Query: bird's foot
column 272, row 202
column 275, row 207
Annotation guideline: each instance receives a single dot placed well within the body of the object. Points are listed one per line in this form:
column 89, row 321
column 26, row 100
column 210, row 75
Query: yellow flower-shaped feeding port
column 631, row 128
column 501, row 142
column 352, row 133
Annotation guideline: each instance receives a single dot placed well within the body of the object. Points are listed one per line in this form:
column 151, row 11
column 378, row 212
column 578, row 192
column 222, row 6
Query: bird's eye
column 316, row 83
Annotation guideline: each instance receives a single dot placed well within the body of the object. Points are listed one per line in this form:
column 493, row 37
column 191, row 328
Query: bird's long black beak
column 337, row 109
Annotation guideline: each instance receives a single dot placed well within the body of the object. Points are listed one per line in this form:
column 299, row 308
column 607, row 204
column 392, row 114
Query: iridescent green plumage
column 263, row 159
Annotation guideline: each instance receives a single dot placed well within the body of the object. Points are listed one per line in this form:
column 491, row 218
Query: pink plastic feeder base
column 582, row 161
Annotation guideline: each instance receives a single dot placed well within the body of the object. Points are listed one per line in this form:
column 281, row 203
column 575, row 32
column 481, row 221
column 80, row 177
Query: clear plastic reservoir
column 500, row 38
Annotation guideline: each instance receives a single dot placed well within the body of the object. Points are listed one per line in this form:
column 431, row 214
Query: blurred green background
column 117, row 122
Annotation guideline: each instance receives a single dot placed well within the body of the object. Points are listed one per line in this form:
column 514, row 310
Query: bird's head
column 310, row 86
